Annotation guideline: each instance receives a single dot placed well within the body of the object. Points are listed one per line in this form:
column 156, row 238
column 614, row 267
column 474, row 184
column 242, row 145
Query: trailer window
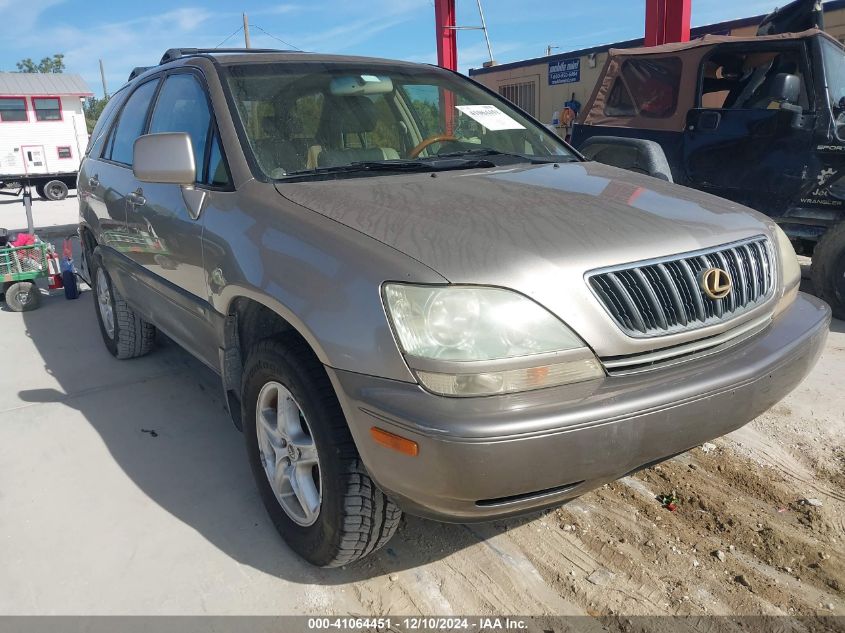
column 47, row 108
column 12, row 109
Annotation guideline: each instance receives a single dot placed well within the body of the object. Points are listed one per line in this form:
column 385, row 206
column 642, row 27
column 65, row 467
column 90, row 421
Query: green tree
column 54, row 64
column 93, row 108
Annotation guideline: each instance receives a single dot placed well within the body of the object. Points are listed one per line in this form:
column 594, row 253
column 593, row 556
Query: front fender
column 320, row 276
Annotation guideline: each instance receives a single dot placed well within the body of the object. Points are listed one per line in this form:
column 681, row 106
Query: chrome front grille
column 664, row 296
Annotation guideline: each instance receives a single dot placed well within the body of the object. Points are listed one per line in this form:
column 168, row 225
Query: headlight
column 790, row 271
column 471, row 341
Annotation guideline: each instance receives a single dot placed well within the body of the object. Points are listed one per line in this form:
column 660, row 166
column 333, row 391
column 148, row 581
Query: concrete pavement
column 123, row 485
column 45, row 213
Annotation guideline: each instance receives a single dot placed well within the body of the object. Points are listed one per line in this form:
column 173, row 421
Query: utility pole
column 549, row 49
column 486, row 35
column 103, row 77
column 246, row 30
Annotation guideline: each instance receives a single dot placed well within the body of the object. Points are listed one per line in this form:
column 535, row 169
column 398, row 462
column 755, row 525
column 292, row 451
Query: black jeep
column 758, row 120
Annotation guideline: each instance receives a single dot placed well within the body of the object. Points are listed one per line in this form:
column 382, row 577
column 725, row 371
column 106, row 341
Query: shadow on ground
column 163, row 420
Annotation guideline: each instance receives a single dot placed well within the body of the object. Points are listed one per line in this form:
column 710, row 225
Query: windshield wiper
column 364, row 165
column 397, row 165
column 487, row 151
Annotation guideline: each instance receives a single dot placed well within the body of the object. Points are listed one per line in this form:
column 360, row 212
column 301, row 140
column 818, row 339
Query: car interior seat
column 275, row 152
column 341, row 117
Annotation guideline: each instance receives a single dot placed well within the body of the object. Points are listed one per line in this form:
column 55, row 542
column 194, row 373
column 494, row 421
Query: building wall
column 70, row 132
column 551, row 98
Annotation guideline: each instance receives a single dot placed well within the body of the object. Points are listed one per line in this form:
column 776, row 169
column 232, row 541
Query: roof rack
column 176, row 53
column 138, row 70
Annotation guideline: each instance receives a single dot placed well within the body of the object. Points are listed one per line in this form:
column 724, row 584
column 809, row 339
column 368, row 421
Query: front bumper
column 482, row 458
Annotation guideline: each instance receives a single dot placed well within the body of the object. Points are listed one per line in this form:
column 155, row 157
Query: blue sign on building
column 565, row 71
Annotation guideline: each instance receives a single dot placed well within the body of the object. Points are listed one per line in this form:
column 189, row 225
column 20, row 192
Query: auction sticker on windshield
column 490, row 117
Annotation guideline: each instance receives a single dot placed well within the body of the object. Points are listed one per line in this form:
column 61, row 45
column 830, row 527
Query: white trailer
column 43, row 134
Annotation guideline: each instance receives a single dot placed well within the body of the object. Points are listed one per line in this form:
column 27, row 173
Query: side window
column 743, row 80
column 130, row 125
column 182, row 107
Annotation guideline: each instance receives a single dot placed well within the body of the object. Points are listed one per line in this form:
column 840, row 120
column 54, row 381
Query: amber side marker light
column 396, row 442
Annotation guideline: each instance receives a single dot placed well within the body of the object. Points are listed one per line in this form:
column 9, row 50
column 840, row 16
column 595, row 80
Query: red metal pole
column 447, row 36
column 655, row 12
column 678, row 20
column 447, row 55
column 667, row 21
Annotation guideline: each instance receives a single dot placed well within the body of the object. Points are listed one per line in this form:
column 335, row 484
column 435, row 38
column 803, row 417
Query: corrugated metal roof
column 25, row 84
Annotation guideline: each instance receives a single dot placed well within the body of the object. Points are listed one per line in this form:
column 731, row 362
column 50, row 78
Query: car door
column 741, row 144
column 170, row 258
column 107, row 178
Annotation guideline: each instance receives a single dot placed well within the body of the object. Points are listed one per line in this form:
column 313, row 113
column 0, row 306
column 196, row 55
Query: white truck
column 43, row 134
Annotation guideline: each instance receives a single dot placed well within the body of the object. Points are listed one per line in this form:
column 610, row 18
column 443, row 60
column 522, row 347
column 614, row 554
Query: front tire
column 308, row 472
column 828, row 269
column 125, row 334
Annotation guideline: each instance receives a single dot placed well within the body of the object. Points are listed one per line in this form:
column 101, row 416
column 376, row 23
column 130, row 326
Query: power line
column 255, row 26
column 240, row 28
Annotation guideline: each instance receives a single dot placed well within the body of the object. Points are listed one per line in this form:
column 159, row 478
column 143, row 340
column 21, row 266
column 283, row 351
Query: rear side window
column 653, row 84
column 182, row 107
column 619, row 102
column 130, row 125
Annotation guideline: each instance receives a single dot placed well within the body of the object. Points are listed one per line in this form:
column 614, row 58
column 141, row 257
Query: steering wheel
column 431, row 140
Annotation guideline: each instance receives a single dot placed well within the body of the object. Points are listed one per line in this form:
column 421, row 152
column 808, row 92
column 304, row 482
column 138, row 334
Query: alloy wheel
column 288, row 454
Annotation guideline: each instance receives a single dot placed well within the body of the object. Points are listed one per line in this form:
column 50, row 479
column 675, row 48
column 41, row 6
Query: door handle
column 93, row 182
column 136, row 198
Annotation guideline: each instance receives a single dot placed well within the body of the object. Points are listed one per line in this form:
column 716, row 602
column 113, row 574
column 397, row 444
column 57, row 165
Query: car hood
column 535, row 228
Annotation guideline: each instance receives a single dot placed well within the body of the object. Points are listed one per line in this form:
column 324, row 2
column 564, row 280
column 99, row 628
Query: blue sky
column 129, row 34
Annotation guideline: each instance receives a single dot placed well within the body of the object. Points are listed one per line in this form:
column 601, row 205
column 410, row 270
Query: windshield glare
column 305, row 116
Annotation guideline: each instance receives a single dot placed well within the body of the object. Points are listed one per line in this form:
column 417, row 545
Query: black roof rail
column 138, row 70
column 175, row 53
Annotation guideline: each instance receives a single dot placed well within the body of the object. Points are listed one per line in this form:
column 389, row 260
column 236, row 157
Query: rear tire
column 39, row 189
column 23, row 296
column 125, row 334
column 55, row 190
column 353, row 518
column 828, row 269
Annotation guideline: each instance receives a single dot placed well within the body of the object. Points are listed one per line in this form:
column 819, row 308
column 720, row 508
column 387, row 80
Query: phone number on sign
column 448, row 624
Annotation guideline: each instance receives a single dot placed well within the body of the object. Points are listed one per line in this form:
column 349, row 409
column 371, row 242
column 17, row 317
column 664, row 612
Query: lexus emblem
column 716, row 283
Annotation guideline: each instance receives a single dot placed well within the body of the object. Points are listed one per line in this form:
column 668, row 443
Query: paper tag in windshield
column 490, row 117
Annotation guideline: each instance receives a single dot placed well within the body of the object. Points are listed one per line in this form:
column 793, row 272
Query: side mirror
column 785, row 88
column 167, row 157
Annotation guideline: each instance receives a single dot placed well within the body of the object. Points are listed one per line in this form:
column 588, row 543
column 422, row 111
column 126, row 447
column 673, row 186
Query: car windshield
column 313, row 118
column 834, row 70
